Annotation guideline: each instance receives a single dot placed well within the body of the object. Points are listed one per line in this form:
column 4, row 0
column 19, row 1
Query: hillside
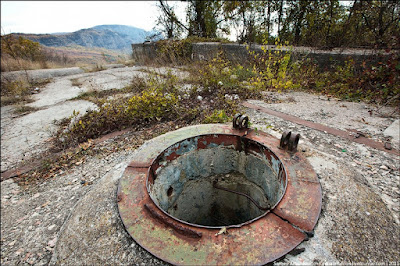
column 113, row 37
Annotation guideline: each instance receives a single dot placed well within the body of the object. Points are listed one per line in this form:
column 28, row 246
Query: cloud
column 68, row 16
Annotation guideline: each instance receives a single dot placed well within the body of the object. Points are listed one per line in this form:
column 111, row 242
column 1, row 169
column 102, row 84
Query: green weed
column 218, row 116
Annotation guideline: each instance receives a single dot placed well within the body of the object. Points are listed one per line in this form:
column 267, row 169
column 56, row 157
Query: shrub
column 151, row 105
column 20, row 48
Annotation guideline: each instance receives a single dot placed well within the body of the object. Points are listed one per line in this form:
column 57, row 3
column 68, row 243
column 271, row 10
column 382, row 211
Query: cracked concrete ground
column 73, row 219
column 25, row 136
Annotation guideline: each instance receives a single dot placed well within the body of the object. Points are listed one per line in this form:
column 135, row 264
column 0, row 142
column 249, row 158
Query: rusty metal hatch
column 213, row 194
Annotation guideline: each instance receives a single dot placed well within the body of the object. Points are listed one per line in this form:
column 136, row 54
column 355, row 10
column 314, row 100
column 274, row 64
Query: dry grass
column 9, row 100
column 19, row 91
column 11, row 64
column 62, row 57
column 24, row 109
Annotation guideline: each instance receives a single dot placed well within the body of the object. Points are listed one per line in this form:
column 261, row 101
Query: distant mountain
column 113, row 37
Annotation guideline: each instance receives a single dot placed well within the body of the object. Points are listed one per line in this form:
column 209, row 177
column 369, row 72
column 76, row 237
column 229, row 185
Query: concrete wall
column 144, row 51
column 238, row 53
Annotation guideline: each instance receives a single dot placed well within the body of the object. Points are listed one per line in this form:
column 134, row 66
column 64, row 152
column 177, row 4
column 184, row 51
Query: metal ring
column 234, row 120
column 243, row 122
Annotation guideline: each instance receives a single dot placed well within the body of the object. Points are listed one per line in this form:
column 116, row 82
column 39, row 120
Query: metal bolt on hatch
column 289, row 141
column 240, row 121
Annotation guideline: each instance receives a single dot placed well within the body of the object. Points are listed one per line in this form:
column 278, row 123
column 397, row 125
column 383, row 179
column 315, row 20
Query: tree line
column 330, row 23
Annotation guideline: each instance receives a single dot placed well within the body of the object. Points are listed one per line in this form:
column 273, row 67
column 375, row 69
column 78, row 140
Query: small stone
column 51, row 227
column 52, row 243
column 14, row 200
column 387, row 145
column 384, row 167
column 199, row 98
column 367, row 213
column 19, row 251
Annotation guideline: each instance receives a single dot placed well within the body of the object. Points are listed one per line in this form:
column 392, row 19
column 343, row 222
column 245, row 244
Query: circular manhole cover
column 211, row 194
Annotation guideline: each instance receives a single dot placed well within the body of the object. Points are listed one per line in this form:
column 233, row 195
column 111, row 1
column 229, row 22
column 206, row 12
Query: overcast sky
column 69, row 16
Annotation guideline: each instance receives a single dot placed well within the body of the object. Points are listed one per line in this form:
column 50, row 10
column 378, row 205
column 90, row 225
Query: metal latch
column 289, row 141
column 240, row 121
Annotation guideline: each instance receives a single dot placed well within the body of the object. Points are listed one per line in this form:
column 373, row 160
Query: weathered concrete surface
column 60, row 90
column 393, row 131
column 332, row 112
column 24, row 136
column 96, row 216
column 72, row 218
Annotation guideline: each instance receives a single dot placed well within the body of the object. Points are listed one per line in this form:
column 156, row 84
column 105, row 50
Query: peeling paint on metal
column 258, row 242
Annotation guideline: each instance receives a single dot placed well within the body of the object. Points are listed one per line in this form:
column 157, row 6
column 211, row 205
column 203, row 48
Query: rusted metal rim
column 259, row 242
column 150, row 173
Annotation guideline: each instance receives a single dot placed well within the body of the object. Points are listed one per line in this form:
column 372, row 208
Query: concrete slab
column 28, row 135
column 393, row 131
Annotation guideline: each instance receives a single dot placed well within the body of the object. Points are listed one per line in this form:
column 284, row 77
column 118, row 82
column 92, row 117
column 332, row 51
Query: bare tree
column 168, row 21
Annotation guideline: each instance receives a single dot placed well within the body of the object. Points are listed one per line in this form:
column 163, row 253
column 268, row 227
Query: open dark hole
column 169, row 192
column 217, row 180
column 205, row 203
